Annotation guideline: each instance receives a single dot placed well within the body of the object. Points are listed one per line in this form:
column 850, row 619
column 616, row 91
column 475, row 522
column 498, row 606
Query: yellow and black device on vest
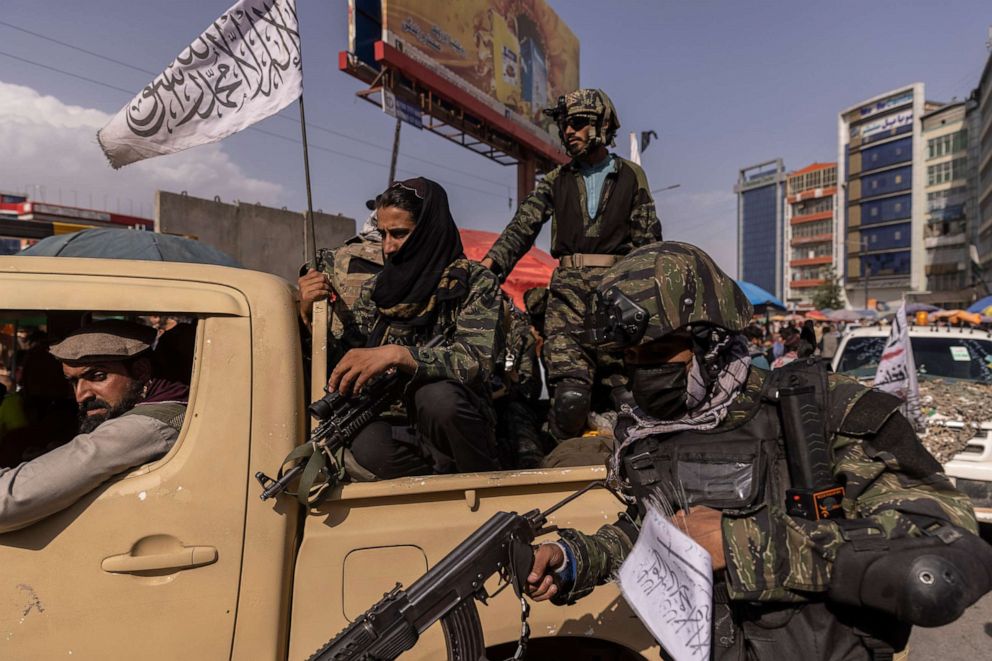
column 814, row 494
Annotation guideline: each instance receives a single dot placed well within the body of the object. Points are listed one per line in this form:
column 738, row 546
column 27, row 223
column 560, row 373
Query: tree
column 829, row 294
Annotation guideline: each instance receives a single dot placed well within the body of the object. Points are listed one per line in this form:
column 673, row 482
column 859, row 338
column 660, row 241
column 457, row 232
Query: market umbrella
column 112, row 243
column 761, row 299
column 981, row 305
column 816, row 315
column 844, row 315
column 913, row 308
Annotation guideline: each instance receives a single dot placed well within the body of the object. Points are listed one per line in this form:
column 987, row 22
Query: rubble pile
column 941, row 402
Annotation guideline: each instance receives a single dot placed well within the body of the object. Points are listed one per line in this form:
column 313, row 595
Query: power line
column 67, row 73
column 250, row 128
column 73, row 47
column 311, row 125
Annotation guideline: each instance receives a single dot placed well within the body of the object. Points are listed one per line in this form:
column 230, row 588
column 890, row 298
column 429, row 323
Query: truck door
column 147, row 565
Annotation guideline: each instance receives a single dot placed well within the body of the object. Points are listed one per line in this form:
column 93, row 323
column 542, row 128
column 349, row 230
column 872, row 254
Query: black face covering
column 660, row 390
column 411, row 275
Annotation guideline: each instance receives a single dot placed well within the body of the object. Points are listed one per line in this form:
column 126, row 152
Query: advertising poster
column 517, row 52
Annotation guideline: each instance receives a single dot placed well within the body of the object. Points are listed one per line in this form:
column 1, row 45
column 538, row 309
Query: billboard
column 517, row 55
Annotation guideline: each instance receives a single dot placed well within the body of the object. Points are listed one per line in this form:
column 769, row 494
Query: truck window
column 38, row 411
column 951, row 357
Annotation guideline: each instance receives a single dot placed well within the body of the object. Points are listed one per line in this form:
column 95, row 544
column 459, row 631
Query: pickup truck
column 180, row 559
column 953, row 354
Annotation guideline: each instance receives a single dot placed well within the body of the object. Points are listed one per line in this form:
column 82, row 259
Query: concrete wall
column 260, row 238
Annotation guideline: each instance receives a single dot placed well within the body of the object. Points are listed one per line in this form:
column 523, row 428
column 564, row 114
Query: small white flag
column 896, row 373
column 635, row 149
column 667, row 579
column 245, row 67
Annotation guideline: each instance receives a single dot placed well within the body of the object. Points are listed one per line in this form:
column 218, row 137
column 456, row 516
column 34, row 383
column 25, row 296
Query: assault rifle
column 448, row 592
column 317, row 463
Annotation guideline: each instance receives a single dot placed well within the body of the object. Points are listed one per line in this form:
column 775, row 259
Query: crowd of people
column 654, row 334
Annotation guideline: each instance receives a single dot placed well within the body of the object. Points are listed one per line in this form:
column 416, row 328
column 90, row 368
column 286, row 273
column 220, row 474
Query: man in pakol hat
column 127, row 417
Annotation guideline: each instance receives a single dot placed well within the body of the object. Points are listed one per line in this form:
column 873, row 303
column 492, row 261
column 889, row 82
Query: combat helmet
column 592, row 103
column 661, row 288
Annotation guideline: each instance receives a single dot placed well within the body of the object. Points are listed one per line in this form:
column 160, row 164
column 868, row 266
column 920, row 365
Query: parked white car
column 952, row 354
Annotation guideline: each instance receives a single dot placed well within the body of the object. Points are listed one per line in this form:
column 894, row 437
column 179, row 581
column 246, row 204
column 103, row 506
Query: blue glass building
column 881, row 200
column 760, row 225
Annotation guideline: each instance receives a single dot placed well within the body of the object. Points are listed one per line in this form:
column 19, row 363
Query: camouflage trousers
column 566, row 357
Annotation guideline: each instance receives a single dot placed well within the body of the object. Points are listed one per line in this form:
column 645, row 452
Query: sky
column 724, row 83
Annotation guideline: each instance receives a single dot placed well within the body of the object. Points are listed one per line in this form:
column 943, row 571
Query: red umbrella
column 533, row 270
column 816, row 315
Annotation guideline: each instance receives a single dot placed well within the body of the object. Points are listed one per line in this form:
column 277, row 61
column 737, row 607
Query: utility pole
column 864, row 266
column 396, row 151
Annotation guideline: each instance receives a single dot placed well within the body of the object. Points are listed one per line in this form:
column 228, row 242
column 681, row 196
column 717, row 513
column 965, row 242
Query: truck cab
column 180, row 558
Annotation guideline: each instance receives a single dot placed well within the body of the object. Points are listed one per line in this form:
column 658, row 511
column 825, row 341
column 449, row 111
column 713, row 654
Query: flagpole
column 310, row 234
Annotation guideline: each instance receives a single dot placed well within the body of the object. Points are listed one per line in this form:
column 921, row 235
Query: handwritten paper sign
column 668, row 580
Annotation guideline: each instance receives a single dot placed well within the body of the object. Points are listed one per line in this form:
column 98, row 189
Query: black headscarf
column 411, row 276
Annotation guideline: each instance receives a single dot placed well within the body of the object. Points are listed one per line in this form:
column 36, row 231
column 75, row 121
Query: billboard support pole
column 396, row 152
column 309, row 234
column 526, row 175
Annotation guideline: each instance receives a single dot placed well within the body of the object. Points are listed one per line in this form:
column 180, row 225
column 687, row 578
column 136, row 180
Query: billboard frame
column 449, row 111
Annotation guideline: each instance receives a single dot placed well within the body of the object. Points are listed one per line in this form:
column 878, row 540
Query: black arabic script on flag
column 244, row 54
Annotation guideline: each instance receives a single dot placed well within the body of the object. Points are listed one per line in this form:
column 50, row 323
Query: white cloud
column 50, row 150
column 707, row 219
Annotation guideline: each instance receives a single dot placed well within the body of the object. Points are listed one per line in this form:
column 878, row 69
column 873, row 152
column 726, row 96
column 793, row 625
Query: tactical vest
column 732, row 467
column 349, row 268
column 606, row 234
column 743, row 464
column 740, row 468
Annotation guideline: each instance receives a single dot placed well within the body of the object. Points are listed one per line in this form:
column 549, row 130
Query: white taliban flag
column 896, row 373
column 245, row 67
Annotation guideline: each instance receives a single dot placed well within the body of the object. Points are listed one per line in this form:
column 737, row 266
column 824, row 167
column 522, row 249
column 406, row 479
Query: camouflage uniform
column 776, row 598
column 518, row 422
column 446, row 421
column 624, row 220
column 472, row 329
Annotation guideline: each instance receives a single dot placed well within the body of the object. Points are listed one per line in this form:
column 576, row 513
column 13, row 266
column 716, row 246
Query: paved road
column 968, row 639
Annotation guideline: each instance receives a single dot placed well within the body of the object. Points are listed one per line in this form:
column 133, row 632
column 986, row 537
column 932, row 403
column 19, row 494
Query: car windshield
column 952, row 357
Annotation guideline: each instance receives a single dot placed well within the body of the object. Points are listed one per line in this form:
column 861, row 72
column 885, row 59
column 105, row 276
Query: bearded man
column 127, row 417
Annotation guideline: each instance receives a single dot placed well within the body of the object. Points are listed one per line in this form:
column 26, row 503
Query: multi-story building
column 950, row 207
column 761, row 225
column 881, row 199
column 809, row 232
column 983, row 179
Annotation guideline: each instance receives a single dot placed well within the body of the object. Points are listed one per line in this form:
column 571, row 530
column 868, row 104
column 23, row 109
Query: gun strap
column 313, row 479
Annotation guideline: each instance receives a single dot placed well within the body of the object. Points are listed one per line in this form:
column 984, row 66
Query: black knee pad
column 570, row 410
column 920, row 580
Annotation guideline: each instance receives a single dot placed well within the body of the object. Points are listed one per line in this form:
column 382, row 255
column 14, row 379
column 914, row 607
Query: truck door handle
column 185, row 558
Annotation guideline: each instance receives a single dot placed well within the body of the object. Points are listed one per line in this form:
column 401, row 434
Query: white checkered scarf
column 729, row 358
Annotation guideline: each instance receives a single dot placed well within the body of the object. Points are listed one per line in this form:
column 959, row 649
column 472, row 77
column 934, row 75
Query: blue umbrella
column 980, row 305
column 112, row 243
column 759, row 297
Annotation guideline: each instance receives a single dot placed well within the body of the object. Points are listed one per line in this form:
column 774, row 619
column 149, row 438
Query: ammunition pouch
column 926, row 581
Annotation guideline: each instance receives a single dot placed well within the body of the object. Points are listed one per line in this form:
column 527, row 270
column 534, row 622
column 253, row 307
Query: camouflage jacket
column 637, row 210
column 521, row 372
column 774, row 557
column 472, row 330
